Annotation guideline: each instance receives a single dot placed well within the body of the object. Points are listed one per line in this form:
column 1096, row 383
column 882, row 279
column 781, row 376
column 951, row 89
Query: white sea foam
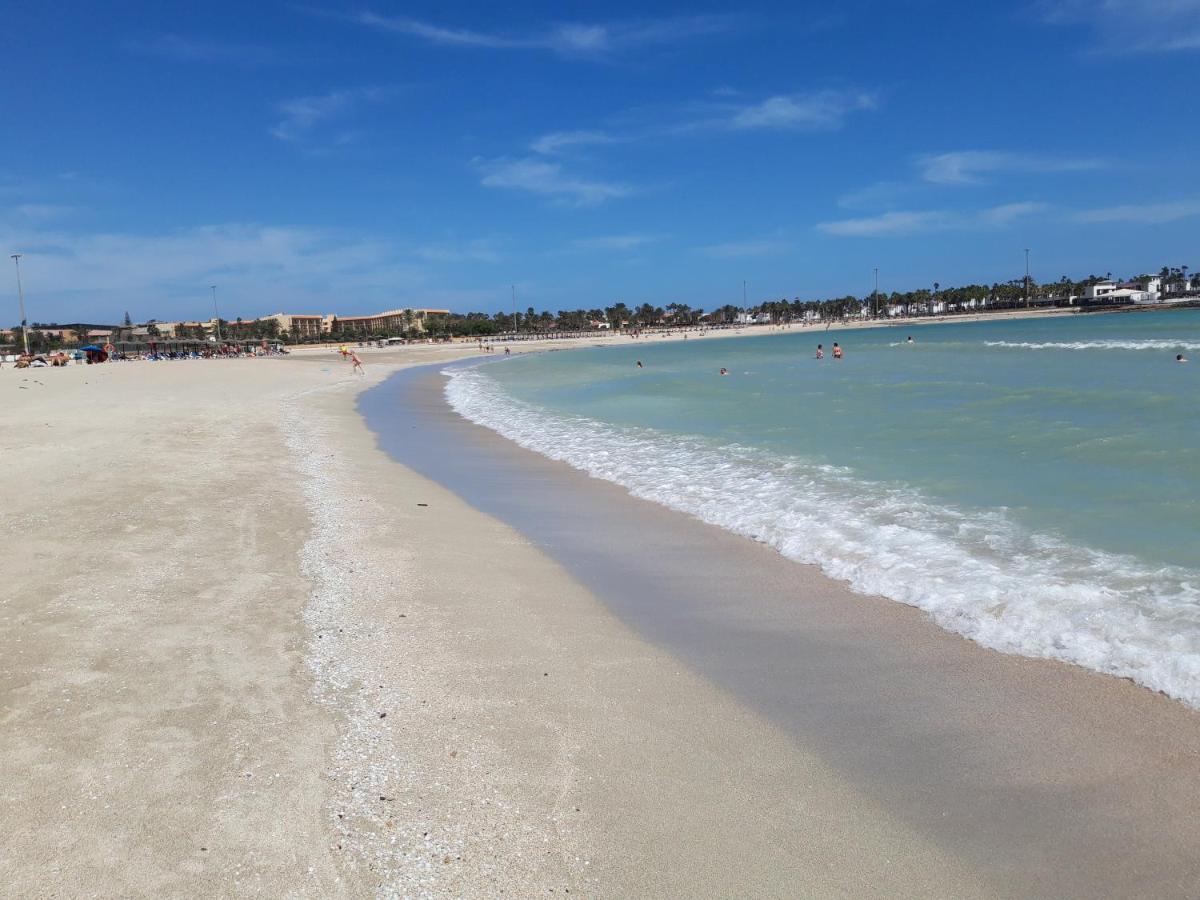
column 977, row 573
column 1147, row 344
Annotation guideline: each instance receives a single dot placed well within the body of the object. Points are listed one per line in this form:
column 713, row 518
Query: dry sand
column 244, row 653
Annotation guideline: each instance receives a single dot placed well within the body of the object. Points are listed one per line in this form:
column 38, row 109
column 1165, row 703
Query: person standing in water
column 820, row 352
column 837, row 350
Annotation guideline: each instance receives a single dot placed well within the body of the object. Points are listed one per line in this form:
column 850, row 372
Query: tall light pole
column 514, row 305
column 21, row 300
column 216, row 315
column 1026, row 277
column 875, row 296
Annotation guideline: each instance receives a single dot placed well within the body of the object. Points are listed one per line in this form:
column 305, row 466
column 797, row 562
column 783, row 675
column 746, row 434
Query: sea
column 1031, row 484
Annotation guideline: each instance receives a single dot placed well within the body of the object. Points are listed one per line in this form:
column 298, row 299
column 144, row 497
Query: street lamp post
column 875, row 296
column 1026, row 277
column 21, row 300
column 216, row 315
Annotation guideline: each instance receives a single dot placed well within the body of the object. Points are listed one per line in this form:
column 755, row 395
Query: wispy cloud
column 812, row 111
column 42, row 212
column 819, row 110
column 905, row 223
column 193, row 49
column 971, row 166
column 763, row 246
column 479, row 250
column 165, row 274
column 881, row 193
column 300, row 116
column 548, row 179
column 574, row 39
column 1147, row 214
column 1130, row 26
column 558, row 141
column 617, row 242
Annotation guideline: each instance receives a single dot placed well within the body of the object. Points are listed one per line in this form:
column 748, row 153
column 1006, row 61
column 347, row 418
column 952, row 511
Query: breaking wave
column 1148, row 344
column 975, row 572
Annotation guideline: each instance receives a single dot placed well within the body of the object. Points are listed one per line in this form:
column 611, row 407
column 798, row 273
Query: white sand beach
column 245, row 653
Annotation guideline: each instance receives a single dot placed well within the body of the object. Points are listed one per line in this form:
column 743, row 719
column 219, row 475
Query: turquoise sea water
column 1033, row 484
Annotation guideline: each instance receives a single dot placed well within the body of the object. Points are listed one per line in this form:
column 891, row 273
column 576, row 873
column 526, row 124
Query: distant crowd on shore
column 94, row 355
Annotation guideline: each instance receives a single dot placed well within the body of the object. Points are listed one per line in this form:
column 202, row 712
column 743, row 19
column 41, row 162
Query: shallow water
column 1031, row 484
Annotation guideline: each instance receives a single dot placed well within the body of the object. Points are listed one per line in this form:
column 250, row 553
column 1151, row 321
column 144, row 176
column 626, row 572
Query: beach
column 247, row 652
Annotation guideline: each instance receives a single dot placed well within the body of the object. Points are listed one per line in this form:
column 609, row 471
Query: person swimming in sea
column 1179, row 357
column 837, row 350
column 724, row 371
column 639, row 364
column 910, row 340
column 820, row 352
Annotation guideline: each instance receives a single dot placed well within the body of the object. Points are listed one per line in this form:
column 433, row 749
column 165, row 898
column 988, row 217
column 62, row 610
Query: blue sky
column 351, row 158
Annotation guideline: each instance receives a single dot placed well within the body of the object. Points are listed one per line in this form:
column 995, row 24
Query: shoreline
column 905, row 712
column 571, row 773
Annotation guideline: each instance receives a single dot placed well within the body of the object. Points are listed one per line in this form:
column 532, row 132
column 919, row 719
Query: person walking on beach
column 837, row 350
column 820, row 352
column 508, row 351
column 356, row 365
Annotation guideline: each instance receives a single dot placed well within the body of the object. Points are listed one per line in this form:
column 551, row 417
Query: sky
column 349, row 158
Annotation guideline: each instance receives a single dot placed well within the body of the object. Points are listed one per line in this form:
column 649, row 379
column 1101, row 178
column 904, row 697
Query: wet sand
column 1042, row 778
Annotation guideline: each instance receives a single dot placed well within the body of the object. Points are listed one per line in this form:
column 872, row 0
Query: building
column 394, row 321
column 298, row 327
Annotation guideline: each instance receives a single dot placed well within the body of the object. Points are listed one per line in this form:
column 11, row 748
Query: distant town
column 1169, row 286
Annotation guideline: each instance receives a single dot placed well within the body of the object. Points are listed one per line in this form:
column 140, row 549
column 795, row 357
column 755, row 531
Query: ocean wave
column 977, row 572
column 1148, row 344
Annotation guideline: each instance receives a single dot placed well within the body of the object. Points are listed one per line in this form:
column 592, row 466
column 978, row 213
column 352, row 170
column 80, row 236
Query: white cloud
column 300, row 116
column 1131, row 26
column 970, row 166
column 877, row 194
column 190, row 49
column 817, row 110
column 42, row 212
column 904, row 223
column 481, row 250
column 1148, row 213
column 558, row 141
column 549, row 180
column 569, row 39
column 617, row 242
column 747, row 248
column 891, row 223
column 259, row 268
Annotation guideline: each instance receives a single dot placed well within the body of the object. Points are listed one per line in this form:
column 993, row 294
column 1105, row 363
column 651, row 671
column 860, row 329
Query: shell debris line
column 421, row 804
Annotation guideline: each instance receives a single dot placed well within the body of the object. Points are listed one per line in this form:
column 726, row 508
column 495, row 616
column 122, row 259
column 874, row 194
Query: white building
column 1099, row 290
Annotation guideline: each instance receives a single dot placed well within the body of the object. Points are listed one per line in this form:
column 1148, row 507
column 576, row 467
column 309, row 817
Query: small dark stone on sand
column 383, row 715
column 422, row 504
